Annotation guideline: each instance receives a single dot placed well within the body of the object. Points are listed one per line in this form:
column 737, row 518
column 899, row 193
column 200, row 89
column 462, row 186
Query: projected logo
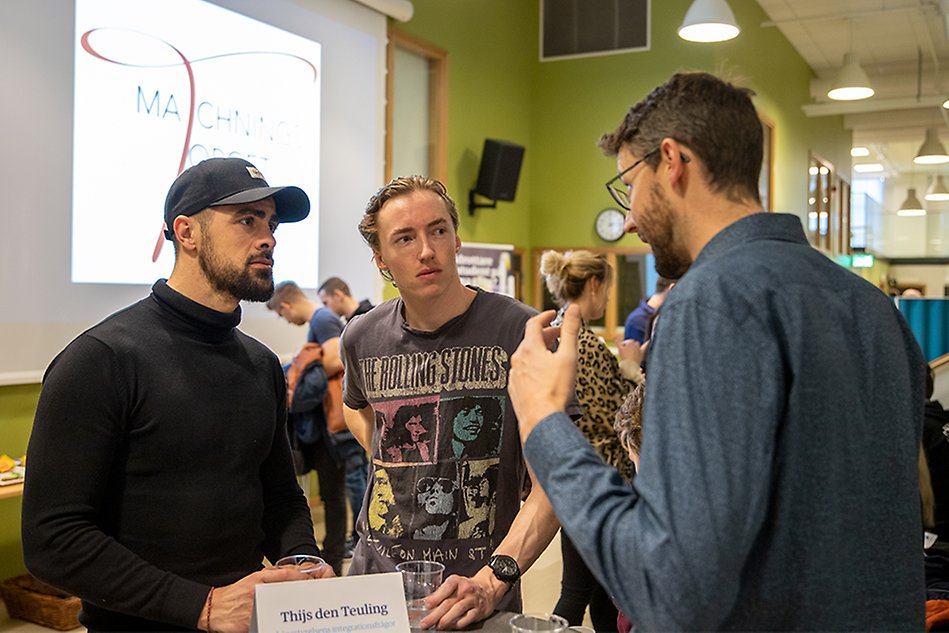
column 162, row 86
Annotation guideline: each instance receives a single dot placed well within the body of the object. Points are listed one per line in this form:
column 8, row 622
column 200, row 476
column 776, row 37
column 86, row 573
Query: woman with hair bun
column 584, row 278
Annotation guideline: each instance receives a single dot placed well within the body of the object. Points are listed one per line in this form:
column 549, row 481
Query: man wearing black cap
column 160, row 473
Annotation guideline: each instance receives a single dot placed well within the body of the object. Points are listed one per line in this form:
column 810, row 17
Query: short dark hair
column 333, row 284
column 713, row 118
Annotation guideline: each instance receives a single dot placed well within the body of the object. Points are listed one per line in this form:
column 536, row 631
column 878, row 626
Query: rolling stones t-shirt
column 447, row 475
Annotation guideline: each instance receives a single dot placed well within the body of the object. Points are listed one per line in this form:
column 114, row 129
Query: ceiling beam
column 872, row 105
column 850, row 15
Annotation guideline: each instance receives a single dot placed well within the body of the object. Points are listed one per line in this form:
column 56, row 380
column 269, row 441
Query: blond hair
column 369, row 224
column 566, row 274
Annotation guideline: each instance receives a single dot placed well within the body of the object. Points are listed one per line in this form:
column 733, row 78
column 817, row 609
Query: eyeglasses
column 619, row 189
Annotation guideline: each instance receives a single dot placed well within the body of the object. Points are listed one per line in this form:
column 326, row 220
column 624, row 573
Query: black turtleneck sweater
column 159, row 465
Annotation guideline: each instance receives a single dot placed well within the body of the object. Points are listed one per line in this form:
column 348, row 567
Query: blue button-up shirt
column 778, row 480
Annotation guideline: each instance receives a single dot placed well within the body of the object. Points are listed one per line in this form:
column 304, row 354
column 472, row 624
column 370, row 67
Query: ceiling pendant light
column 709, row 21
column 851, row 82
column 937, row 191
column 932, row 151
column 911, row 206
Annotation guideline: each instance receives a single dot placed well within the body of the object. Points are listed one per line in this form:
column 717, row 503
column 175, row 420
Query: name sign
column 374, row 602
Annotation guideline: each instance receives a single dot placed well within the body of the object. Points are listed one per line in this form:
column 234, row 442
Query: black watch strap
column 505, row 568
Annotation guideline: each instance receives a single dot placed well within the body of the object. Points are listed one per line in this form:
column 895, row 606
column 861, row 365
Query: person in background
column 583, row 279
column 323, row 450
column 335, row 295
column 628, row 425
column 436, row 343
column 936, row 450
column 160, row 472
column 638, row 320
column 777, row 485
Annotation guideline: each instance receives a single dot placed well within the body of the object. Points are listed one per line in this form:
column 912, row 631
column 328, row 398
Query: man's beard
column 672, row 259
column 247, row 284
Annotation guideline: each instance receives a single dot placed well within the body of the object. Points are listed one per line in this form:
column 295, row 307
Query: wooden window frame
column 613, row 322
column 437, row 100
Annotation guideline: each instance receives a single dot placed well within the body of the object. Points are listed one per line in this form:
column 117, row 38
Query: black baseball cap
column 219, row 181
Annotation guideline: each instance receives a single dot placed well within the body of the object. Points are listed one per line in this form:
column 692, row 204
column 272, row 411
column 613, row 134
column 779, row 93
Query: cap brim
column 292, row 203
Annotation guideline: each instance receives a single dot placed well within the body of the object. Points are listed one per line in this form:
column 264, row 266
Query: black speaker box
column 499, row 171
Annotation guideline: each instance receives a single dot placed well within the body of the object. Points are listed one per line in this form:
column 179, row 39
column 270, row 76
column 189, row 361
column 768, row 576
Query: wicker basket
column 29, row 599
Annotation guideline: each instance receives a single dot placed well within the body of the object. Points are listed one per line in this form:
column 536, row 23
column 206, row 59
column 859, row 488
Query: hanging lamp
column 851, row 82
column 709, row 21
column 938, row 192
column 932, row 151
column 911, row 206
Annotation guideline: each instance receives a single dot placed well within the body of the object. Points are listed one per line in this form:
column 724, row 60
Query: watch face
column 505, row 568
column 609, row 224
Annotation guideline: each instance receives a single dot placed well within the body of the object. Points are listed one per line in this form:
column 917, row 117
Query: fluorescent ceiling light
column 937, row 191
column 867, row 168
column 859, row 152
column 932, row 151
column 851, row 83
column 709, row 21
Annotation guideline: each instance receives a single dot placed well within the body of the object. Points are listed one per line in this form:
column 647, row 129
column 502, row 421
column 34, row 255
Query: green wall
column 17, row 406
column 491, row 48
column 559, row 109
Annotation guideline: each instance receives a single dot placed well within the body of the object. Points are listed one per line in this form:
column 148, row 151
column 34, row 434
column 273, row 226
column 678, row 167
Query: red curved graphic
column 191, row 85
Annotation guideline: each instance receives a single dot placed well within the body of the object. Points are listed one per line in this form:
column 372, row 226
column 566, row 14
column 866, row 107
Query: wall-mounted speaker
column 500, row 169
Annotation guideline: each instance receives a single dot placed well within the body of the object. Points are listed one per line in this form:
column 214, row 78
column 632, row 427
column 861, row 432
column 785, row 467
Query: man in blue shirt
column 637, row 323
column 322, row 451
column 777, row 487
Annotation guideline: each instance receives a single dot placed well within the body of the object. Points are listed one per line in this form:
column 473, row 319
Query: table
column 497, row 623
column 13, row 490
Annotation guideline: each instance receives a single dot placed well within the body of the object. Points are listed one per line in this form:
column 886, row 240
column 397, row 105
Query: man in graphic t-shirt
column 426, row 394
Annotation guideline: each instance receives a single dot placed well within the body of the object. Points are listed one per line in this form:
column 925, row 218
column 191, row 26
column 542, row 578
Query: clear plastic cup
column 525, row 622
column 419, row 579
column 306, row 563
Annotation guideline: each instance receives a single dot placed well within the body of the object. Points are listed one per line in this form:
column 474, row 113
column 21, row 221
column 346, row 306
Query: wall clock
column 609, row 224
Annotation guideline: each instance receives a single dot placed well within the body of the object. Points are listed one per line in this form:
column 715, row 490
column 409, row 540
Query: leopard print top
column 601, row 389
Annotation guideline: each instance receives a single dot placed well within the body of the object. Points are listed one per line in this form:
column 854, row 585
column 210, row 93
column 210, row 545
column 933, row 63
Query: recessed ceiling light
column 867, row 168
column 859, row 152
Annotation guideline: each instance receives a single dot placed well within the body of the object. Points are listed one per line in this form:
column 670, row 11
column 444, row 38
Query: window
column 416, row 108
